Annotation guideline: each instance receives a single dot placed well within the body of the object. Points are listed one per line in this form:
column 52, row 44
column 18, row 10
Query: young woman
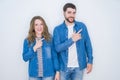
column 39, row 51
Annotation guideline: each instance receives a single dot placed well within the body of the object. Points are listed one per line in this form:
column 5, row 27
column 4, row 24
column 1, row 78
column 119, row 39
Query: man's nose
column 72, row 15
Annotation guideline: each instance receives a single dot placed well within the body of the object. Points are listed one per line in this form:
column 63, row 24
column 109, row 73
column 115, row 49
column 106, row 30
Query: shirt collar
column 65, row 26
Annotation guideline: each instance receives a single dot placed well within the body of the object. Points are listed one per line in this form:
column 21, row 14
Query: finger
column 88, row 71
column 55, row 79
column 36, row 40
column 80, row 35
column 42, row 39
column 73, row 34
column 39, row 42
column 79, row 31
column 74, row 31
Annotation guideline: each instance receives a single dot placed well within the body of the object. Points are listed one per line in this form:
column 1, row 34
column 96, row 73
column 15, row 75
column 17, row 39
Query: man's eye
column 74, row 12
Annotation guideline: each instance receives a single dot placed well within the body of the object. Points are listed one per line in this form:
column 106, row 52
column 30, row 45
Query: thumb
column 74, row 31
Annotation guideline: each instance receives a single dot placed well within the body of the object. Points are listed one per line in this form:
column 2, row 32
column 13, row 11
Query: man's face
column 70, row 15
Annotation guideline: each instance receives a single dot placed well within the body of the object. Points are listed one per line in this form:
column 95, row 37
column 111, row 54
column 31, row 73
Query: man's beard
column 69, row 20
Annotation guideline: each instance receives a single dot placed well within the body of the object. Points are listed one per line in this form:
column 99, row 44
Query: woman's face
column 38, row 25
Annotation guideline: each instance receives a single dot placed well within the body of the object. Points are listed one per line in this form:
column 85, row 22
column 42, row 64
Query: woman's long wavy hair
column 31, row 35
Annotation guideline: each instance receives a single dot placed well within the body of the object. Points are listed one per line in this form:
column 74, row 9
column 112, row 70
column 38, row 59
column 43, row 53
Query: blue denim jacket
column 50, row 61
column 62, row 43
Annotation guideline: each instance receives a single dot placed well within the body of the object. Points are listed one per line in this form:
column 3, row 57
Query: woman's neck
column 38, row 35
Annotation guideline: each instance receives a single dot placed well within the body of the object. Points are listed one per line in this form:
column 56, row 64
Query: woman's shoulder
column 26, row 40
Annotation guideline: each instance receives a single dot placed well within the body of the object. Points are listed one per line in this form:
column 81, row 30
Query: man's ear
column 64, row 13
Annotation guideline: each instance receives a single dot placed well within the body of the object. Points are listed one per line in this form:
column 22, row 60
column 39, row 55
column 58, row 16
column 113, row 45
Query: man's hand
column 57, row 76
column 76, row 37
column 89, row 68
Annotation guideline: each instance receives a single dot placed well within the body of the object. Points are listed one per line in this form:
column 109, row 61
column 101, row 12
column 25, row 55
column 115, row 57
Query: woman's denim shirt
column 50, row 61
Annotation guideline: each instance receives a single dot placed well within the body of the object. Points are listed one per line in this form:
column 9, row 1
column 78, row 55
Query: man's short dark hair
column 69, row 5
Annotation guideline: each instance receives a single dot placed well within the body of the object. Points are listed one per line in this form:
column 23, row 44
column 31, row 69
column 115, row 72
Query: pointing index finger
column 79, row 31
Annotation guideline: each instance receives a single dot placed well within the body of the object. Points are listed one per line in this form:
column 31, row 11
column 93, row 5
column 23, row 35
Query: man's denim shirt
column 62, row 43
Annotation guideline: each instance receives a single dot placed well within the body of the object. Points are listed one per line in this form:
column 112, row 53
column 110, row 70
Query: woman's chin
column 39, row 32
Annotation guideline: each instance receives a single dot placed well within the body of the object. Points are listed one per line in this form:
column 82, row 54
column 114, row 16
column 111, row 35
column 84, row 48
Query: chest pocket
column 48, row 52
column 64, row 36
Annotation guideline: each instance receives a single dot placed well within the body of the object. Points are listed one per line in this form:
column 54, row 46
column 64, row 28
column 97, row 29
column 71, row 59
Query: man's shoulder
column 79, row 23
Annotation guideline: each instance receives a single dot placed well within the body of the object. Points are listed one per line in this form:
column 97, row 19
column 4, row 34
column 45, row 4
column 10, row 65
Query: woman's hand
column 37, row 45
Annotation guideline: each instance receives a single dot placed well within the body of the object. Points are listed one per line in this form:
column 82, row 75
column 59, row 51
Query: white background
column 102, row 18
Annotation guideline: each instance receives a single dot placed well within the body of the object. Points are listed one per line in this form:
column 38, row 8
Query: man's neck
column 68, row 23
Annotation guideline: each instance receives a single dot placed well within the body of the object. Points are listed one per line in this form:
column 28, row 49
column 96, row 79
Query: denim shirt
column 62, row 43
column 50, row 61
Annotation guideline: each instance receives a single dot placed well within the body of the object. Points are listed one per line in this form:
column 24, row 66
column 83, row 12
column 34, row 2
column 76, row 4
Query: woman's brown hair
column 31, row 35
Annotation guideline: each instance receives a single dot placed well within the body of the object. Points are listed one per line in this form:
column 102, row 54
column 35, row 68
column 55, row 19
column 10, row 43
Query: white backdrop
column 102, row 18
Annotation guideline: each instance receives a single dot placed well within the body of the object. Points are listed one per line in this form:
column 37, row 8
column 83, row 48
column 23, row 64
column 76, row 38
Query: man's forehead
column 71, row 9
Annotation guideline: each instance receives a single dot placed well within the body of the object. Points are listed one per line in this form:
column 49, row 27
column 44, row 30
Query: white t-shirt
column 72, row 52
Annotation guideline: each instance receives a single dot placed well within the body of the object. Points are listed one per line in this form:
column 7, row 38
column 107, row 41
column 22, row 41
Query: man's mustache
column 71, row 17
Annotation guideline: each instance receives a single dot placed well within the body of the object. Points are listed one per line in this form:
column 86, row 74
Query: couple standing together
column 63, row 56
